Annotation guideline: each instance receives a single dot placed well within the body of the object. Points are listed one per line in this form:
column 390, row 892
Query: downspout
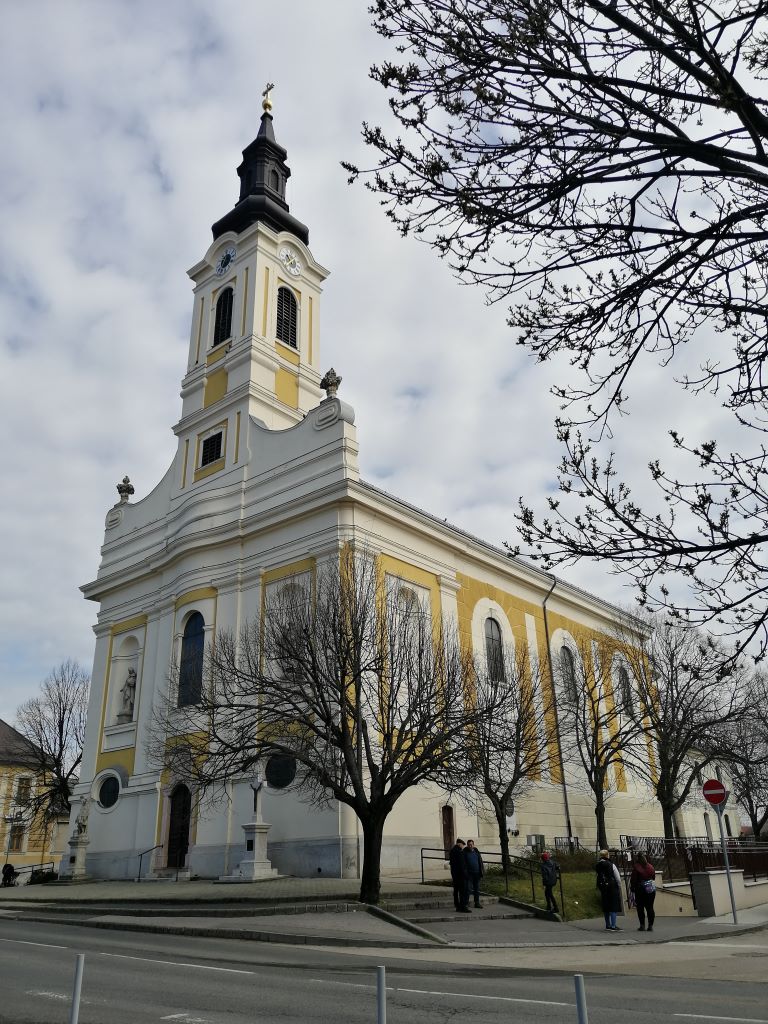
column 557, row 717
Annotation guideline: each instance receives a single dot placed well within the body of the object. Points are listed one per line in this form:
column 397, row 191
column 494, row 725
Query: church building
column 264, row 485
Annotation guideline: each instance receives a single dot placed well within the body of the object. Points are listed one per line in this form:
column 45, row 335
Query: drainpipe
column 557, row 717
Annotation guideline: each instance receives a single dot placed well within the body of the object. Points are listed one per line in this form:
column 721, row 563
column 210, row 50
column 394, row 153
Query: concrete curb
column 285, row 938
column 407, row 926
column 543, row 915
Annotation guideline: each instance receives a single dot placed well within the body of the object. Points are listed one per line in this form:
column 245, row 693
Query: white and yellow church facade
column 265, row 484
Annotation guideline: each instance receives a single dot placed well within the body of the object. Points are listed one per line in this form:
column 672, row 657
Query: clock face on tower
column 225, row 261
column 290, row 261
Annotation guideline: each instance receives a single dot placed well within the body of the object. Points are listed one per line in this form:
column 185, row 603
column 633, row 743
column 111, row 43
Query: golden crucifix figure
column 267, row 101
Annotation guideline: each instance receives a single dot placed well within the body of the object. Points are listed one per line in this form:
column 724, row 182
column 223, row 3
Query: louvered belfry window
column 223, row 328
column 287, row 316
column 211, row 450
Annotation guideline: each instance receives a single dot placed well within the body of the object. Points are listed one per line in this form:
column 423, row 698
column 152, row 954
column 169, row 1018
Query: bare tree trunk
column 370, row 883
column 602, row 838
column 669, row 821
column 501, row 824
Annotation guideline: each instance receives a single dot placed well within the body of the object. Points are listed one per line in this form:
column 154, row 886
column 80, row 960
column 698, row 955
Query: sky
column 124, row 123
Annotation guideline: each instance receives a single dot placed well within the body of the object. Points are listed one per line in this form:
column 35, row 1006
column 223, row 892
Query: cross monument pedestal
column 255, row 864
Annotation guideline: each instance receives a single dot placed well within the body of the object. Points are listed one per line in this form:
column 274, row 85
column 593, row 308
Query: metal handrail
column 517, row 863
column 32, row 868
column 142, row 855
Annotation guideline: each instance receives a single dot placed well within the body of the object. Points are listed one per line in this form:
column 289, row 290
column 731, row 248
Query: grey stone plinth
column 73, row 866
column 255, row 864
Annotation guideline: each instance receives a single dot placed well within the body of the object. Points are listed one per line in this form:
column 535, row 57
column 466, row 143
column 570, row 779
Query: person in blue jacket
column 475, row 871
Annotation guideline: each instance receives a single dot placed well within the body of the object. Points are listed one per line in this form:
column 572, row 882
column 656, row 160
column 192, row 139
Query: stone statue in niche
column 127, row 697
column 81, row 821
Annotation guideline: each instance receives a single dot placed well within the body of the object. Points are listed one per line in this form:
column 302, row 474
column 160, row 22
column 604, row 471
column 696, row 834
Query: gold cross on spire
column 267, row 101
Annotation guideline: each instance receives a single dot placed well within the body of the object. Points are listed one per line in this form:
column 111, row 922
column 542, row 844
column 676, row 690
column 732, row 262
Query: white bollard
column 74, row 1013
column 581, row 999
column 381, row 995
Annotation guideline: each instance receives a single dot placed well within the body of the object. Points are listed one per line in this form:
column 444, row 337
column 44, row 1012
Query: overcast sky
column 123, row 126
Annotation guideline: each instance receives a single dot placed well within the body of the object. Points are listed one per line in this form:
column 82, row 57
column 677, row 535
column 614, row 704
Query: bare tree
column 598, row 734
column 54, row 724
column 509, row 751
column 689, row 694
column 745, row 742
column 604, row 164
column 352, row 678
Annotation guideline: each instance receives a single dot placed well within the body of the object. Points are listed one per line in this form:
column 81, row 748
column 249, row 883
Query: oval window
column 109, row 791
column 280, row 771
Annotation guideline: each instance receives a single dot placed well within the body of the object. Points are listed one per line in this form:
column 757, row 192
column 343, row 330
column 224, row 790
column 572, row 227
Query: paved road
column 152, row 978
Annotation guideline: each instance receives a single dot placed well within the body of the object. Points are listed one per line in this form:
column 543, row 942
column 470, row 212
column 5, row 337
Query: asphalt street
column 140, row 978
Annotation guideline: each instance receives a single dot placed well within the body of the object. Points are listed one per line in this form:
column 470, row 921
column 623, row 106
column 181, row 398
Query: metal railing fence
column 514, row 867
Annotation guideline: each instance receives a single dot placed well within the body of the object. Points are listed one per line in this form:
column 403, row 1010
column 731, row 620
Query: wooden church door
column 178, row 827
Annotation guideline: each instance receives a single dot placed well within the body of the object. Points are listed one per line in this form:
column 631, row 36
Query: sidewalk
column 326, row 912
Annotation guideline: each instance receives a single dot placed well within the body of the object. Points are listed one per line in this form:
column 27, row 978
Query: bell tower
column 254, row 342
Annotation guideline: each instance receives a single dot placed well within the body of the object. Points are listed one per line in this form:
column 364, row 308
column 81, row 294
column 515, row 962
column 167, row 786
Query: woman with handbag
column 643, row 886
column 609, row 886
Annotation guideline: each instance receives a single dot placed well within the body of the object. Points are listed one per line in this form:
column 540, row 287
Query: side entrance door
column 178, row 827
column 449, row 832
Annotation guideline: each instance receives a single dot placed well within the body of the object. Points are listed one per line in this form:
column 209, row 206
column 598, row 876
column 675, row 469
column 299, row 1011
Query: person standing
column 550, row 872
column 459, row 877
column 609, row 885
column 475, row 871
column 642, row 884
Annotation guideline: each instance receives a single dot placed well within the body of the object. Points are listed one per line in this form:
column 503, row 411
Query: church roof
column 547, row 578
column 15, row 748
column 263, row 176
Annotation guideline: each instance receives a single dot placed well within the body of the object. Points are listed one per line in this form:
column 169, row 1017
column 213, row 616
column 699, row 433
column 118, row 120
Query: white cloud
column 123, row 126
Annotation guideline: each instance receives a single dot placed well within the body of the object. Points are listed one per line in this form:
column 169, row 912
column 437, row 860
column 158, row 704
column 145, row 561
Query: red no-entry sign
column 714, row 791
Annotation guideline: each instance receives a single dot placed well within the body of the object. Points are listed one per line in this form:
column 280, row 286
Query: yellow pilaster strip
column 245, row 302
column 310, row 342
column 266, row 299
column 237, row 437
column 200, row 329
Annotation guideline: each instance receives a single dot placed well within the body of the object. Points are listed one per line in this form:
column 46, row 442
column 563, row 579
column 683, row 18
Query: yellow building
column 27, row 841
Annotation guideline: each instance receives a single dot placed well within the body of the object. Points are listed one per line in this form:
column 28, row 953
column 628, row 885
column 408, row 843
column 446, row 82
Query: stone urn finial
column 330, row 383
column 125, row 489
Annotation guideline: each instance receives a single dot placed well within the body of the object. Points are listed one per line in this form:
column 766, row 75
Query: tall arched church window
column 568, row 670
column 191, row 665
column 222, row 330
column 494, row 650
column 287, row 317
column 625, row 690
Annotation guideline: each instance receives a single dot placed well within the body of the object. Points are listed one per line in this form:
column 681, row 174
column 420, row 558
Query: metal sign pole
column 581, row 1000
column 74, row 1012
column 719, row 809
column 381, row 995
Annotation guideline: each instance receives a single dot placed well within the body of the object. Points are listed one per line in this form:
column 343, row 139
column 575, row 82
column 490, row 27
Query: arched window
column 494, row 650
column 191, row 667
column 222, row 330
column 625, row 691
column 274, row 181
column 568, row 670
column 287, row 317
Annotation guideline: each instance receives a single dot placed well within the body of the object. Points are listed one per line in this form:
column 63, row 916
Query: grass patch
column 580, row 894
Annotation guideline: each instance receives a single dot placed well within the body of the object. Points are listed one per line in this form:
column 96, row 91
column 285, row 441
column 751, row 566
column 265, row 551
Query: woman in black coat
column 609, row 885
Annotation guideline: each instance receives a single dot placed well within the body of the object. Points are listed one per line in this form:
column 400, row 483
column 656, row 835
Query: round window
column 109, row 791
column 280, row 770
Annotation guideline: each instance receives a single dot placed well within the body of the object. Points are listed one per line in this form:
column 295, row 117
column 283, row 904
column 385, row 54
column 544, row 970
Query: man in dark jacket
column 459, row 877
column 549, row 874
column 475, row 872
